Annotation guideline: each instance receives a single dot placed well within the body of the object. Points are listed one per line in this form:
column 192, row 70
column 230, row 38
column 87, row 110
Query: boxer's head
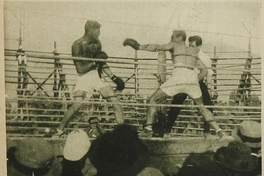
column 178, row 36
column 92, row 28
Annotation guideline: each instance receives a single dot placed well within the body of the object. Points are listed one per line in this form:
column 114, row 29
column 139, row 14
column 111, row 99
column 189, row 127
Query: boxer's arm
column 202, row 68
column 155, row 47
column 107, row 71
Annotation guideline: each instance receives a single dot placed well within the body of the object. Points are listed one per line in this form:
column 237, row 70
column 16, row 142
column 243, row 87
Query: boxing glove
column 131, row 42
column 120, row 84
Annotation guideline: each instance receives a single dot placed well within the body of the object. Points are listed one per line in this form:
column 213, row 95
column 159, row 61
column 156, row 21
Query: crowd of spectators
column 122, row 153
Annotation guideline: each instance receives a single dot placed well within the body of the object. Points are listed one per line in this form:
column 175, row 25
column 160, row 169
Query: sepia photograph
column 132, row 88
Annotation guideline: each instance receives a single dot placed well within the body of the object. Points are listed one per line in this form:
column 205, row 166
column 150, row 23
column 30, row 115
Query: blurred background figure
column 236, row 159
column 33, row 156
column 75, row 152
column 119, row 153
column 95, row 129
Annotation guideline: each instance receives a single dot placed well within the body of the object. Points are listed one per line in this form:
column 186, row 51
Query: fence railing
column 39, row 86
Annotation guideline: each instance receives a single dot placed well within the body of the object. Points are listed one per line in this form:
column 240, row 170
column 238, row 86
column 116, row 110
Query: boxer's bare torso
column 184, row 55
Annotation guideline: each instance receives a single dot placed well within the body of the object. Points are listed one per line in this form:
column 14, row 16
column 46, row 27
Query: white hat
column 150, row 171
column 248, row 132
column 76, row 146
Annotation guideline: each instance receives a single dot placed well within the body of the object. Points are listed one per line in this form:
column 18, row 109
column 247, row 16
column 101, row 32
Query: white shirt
column 208, row 64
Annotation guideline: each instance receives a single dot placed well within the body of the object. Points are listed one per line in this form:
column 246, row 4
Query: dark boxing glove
column 131, row 42
column 100, row 55
column 120, row 84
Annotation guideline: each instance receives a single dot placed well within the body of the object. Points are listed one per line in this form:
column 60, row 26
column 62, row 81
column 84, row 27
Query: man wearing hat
column 33, row 157
column 75, row 152
column 236, row 159
column 119, row 152
column 249, row 132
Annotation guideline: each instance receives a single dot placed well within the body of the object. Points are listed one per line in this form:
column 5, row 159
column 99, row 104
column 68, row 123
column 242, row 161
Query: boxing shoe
column 221, row 134
column 166, row 136
column 147, row 132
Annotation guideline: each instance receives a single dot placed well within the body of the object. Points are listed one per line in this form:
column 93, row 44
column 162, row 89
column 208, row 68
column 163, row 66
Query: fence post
column 214, row 65
column 22, row 79
column 161, row 78
column 136, row 74
column 56, row 65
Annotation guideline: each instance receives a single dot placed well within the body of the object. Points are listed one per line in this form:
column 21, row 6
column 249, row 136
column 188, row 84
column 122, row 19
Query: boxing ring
column 43, row 83
column 39, row 86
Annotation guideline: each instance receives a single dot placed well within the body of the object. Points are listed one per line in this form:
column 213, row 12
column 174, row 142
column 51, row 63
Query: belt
column 195, row 56
column 190, row 68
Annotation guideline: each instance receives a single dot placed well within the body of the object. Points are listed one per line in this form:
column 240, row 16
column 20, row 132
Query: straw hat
column 33, row 156
column 34, row 153
column 76, row 146
column 249, row 133
column 237, row 157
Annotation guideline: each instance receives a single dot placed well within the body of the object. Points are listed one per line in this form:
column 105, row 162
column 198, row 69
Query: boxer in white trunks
column 88, row 79
column 183, row 80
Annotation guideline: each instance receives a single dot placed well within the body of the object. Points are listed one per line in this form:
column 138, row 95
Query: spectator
column 236, row 159
column 199, row 164
column 249, row 132
column 94, row 130
column 32, row 156
column 119, row 153
column 75, row 153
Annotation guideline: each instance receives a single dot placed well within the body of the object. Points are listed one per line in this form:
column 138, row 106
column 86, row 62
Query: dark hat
column 119, row 152
column 200, row 164
column 31, row 155
column 249, row 132
column 237, row 157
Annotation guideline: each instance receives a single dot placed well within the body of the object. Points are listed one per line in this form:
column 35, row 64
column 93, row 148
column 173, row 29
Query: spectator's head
column 93, row 121
column 75, row 152
column 92, row 28
column 236, row 157
column 178, row 36
column 195, row 41
column 31, row 156
column 249, row 132
column 199, row 164
column 119, row 152
column 76, row 146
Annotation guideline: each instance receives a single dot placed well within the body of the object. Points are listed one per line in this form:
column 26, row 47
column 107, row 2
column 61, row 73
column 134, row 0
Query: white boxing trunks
column 183, row 80
column 89, row 82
